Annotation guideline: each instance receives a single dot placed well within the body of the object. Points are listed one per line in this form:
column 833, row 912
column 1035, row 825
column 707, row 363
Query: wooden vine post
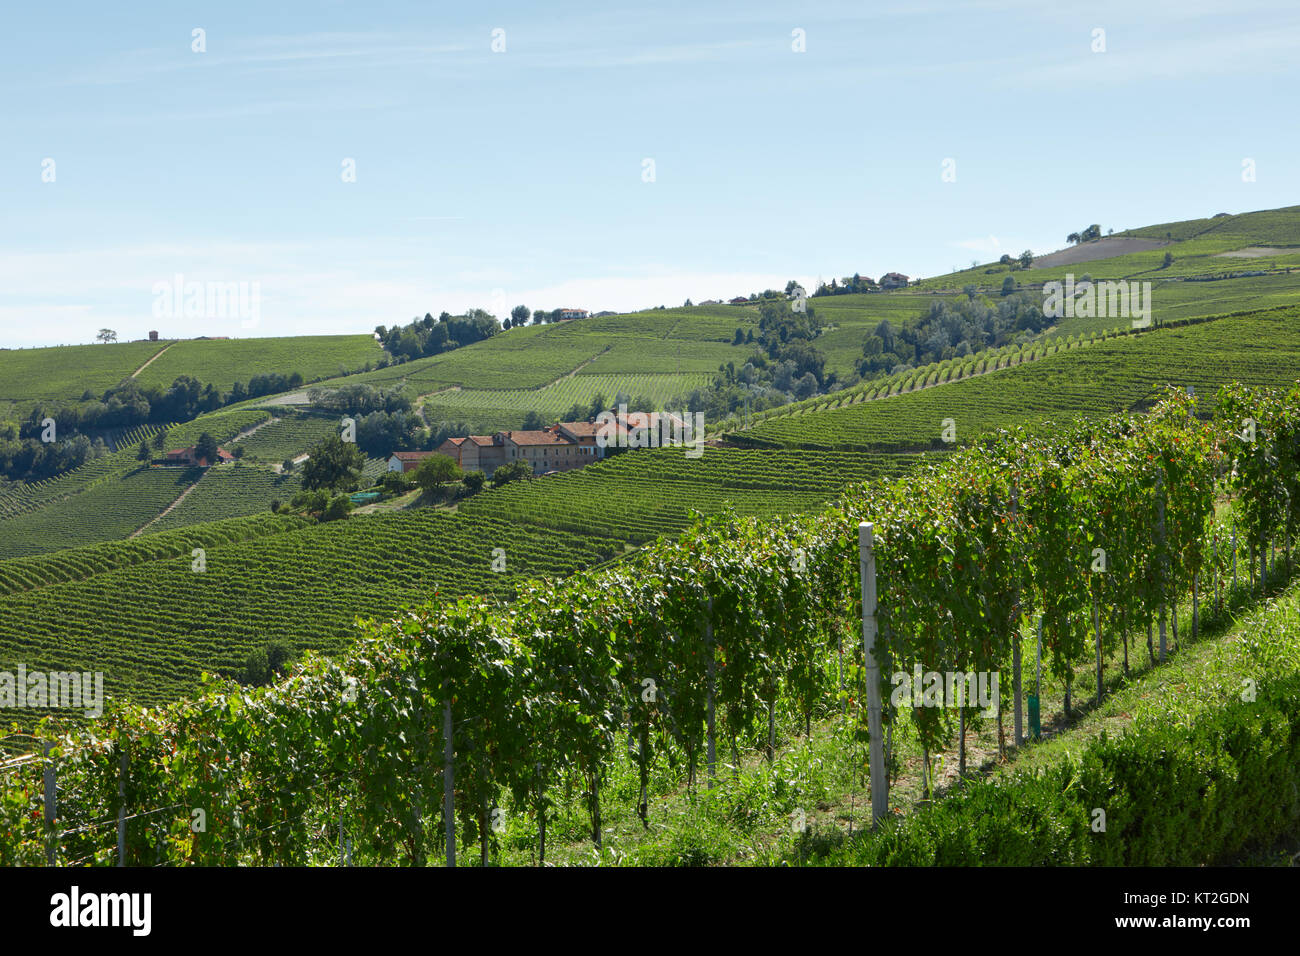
column 1164, row 558
column 51, row 808
column 876, row 753
column 121, row 808
column 448, row 780
column 1017, row 716
column 709, row 703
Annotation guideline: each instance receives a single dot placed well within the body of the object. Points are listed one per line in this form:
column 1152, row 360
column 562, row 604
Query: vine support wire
column 876, row 753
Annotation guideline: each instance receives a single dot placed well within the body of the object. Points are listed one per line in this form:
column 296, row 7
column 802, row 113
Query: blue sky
column 490, row 178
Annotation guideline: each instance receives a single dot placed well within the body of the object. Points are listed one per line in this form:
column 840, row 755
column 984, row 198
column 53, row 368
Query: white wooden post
column 879, row 782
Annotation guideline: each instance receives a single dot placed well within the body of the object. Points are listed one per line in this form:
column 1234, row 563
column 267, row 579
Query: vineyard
column 102, row 512
column 223, row 362
column 493, row 410
column 673, row 342
column 638, row 496
column 1109, row 376
column 1098, row 531
column 28, row 376
column 78, row 564
column 230, row 491
column 304, row 587
column 288, row 436
column 109, row 497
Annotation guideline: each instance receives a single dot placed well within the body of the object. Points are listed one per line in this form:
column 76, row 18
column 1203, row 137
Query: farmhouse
column 560, row 447
column 571, row 313
column 187, row 456
column 893, row 280
column 738, row 300
column 404, row 461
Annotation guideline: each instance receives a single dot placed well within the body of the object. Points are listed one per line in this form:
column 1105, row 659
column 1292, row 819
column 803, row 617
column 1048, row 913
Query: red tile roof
column 535, row 438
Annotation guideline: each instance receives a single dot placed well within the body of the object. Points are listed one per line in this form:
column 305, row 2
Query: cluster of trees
column 850, row 285
column 430, row 336
column 578, row 412
column 320, row 504
column 267, row 664
column 33, row 460
column 786, row 365
column 1087, row 235
column 442, row 479
column 1022, row 261
column 359, row 399
column 951, row 329
column 384, row 419
column 23, row 456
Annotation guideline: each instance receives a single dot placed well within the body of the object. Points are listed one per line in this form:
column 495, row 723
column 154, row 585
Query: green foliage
column 205, row 450
column 516, row 470
column 435, row 471
column 1172, row 796
column 334, row 464
column 338, row 508
column 267, row 664
column 741, row 611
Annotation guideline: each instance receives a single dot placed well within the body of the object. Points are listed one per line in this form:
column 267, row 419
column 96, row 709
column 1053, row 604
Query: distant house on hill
column 186, row 456
column 571, row 313
column 738, row 300
column 893, row 280
column 153, row 336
